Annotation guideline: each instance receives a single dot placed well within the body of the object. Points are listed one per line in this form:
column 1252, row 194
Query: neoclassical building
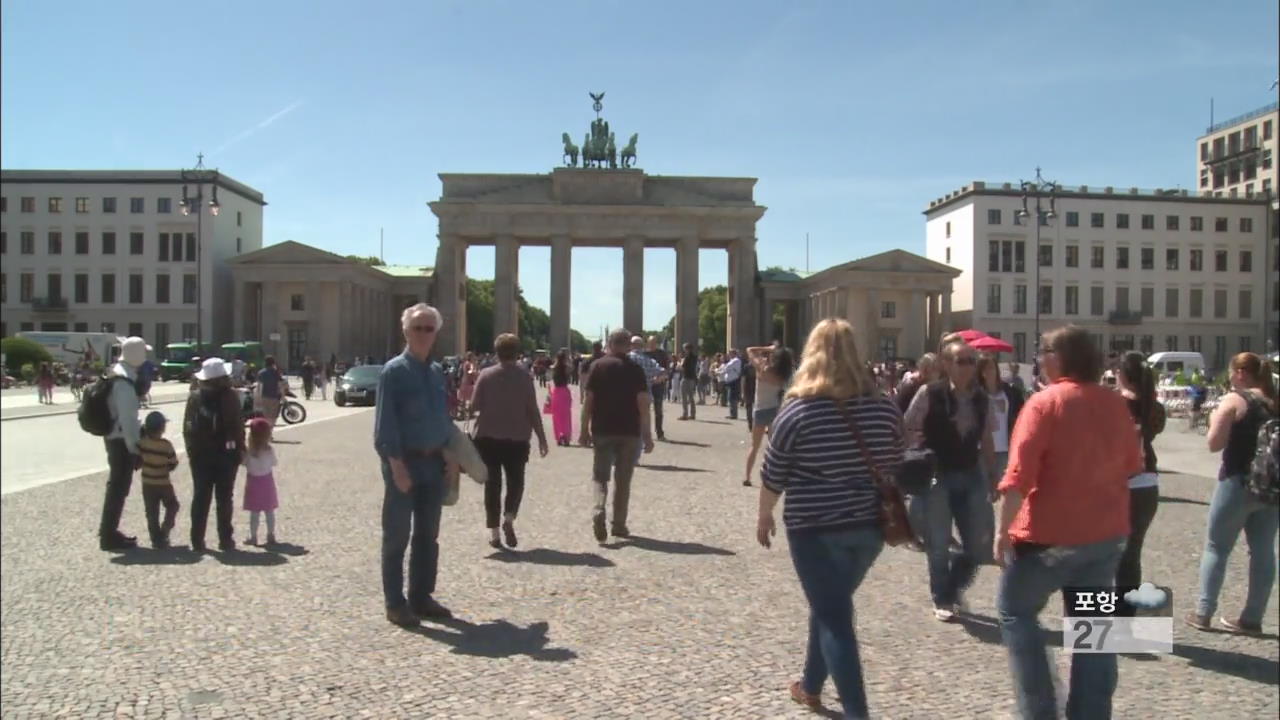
column 302, row 301
column 899, row 303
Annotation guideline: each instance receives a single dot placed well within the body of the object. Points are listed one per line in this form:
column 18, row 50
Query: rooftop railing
column 1242, row 118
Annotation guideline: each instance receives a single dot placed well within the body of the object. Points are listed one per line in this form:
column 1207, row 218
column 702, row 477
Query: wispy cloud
column 261, row 125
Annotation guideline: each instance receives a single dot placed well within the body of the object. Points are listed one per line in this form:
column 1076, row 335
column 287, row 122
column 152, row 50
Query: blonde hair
column 831, row 366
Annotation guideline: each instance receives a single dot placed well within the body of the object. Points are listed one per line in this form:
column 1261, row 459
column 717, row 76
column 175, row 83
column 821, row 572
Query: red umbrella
column 990, row 344
column 970, row 335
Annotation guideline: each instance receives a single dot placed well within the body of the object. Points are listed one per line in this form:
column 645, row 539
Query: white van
column 1172, row 363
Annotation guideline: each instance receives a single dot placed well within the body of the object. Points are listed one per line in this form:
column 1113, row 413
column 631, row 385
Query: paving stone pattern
column 689, row 619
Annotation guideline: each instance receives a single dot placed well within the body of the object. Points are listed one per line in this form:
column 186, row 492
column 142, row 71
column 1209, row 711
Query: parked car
column 359, row 385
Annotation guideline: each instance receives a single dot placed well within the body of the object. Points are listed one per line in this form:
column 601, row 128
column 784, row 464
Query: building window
column 162, row 289
column 1073, row 219
column 1147, row 256
column 4, row 243
column 993, row 216
column 108, row 204
column 27, row 242
column 1246, row 304
column 1121, row 343
column 1266, row 130
column 1122, row 299
column 26, row 287
column 1046, row 256
column 1146, row 344
column 1170, row 222
column 80, row 287
column 135, row 289
column 1193, row 343
column 162, row 248
column 53, row 286
column 162, row 335
column 55, row 242
column 55, row 204
column 948, row 256
column 108, row 243
column 1219, row 304
column 1045, row 298
column 239, row 219
column 888, row 308
column 107, row 327
column 297, row 304
column 948, row 228
column 191, row 247
column 1073, row 300
column 108, row 288
column 4, row 204
column 164, row 206
column 1246, row 261
column 28, row 204
column 137, row 205
column 4, row 290
column 1019, row 256
column 1171, row 259
column 1122, row 258
column 189, row 332
column 189, row 289
column 1197, row 260
column 993, row 256
column 1020, row 346
column 135, row 243
column 1073, row 256
column 1019, row 299
column 177, row 247
column 1220, row 260
column 1171, row 302
column 238, row 246
column 1017, row 218
column 1219, row 351
column 1096, row 256
column 1095, row 220
column 1148, row 222
column 1171, row 343
column 82, row 243
column 82, row 205
column 1197, row 303
column 1246, row 225
column 1197, row 223
column 993, row 298
column 1122, row 221
column 1147, row 301
column 1220, row 224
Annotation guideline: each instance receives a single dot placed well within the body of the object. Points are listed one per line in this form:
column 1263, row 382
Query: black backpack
column 95, row 406
column 203, row 429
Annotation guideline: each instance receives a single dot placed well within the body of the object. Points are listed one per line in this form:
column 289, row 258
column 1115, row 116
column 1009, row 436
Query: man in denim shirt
column 411, row 426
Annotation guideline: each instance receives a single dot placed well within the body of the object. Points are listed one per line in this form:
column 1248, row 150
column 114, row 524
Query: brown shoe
column 1199, row 622
column 813, row 702
column 1240, row 626
column 403, row 617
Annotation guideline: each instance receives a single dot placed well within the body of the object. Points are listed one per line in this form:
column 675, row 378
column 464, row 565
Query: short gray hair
column 412, row 310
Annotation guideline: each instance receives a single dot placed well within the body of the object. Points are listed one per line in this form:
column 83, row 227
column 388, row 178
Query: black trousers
column 502, row 456
column 119, row 481
column 1142, row 510
column 659, row 393
column 214, row 478
column 153, row 496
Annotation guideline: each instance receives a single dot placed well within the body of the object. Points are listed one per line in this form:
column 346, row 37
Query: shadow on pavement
column 687, row 442
column 987, row 629
column 715, row 422
column 176, row 555
column 546, row 556
column 1245, row 667
column 244, row 558
column 670, row 546
column 1184, row 501
column 497, row 639
column 286, row 549
column 670, row 468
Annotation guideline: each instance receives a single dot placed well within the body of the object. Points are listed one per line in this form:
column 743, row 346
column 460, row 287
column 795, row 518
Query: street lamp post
column 200, row 176
column 1039, row 190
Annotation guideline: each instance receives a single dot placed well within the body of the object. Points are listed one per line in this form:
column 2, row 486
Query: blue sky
column 851, row 114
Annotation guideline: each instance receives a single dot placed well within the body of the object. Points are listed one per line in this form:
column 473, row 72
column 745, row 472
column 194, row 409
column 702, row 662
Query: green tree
column 366, row 259
column 534, row 323
column 578, row 343
column 713, row 319
column 21, row 351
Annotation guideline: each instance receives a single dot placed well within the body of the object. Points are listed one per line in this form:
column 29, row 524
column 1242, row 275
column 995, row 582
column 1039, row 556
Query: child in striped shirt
column 158, row 460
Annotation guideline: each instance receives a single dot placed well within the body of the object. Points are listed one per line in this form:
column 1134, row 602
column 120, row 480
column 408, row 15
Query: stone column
column 742, row 283
column 946, row 313
column 346, row 313
column 506, row 311
column 561, row 267
column 238, row 310
column 873, row 326
column 791, row 327
column 271, row 315
column 450, row 289
column 687, row 292
column 313, row 301
column 913, row 337
column 633, row 284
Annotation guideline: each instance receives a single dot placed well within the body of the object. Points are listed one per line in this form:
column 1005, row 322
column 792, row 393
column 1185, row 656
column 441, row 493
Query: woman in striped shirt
column 831, row 514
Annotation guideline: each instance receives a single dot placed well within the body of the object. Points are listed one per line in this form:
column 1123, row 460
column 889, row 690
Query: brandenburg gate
column 597, row 205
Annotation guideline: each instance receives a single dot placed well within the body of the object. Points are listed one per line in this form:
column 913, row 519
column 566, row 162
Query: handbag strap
column 862, row 445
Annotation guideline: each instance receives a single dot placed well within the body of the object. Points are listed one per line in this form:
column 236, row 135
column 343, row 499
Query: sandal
column 813, row 702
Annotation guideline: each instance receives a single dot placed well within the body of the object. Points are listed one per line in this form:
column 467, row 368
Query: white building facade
column 112, row 251
column 1237, row 157
column 1142, row 270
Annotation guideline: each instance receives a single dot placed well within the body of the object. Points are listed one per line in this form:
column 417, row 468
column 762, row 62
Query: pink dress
column 562, row 412
column 468, row 388
column 260, row 484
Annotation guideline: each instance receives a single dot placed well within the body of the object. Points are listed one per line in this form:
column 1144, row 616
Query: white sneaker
column 943, row 614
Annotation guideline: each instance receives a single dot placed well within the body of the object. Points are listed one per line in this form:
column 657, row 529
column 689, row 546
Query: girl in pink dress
column 561, row 400
column 470, row 373
column 260, row 485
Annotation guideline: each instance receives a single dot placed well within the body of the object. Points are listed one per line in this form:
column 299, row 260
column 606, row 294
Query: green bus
column 249, row 351
column 180, row 359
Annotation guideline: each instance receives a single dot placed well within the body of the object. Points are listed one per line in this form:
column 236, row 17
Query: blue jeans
column 831, row 566
column 1025, row 587
column 959, row 496
column 1231, row 510
column 413, row 514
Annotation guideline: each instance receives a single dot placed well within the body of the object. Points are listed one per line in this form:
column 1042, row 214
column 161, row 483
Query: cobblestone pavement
column 688, row 619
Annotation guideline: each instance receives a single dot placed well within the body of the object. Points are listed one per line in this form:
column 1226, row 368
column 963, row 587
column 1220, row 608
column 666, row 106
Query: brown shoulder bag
column 893, row 511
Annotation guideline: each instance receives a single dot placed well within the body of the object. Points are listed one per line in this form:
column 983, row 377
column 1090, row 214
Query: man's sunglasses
column 427, row 329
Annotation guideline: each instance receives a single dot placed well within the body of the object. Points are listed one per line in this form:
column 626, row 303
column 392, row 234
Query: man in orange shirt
column 1064, row 518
